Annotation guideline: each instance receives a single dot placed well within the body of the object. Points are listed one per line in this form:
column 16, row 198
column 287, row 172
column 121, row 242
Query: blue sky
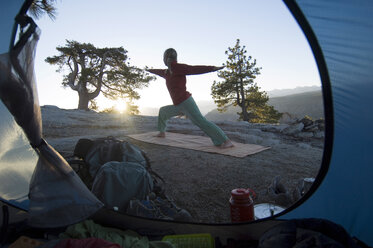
column 201, row 31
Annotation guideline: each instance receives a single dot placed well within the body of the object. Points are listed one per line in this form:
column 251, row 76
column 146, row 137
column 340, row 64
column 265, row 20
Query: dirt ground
column 197, row 181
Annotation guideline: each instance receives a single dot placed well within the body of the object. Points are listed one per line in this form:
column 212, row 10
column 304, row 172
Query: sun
column 120, row 106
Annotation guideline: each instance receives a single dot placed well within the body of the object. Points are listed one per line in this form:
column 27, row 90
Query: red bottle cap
column 240, row 194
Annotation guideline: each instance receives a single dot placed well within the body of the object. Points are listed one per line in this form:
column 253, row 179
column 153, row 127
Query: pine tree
column 40, row 7
column 92, row 71
column 239, row 89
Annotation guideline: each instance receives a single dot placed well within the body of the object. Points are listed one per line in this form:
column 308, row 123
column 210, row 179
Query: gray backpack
column 116, row 171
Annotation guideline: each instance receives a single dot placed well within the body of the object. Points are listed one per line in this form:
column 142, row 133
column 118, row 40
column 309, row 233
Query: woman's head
column 169, row 56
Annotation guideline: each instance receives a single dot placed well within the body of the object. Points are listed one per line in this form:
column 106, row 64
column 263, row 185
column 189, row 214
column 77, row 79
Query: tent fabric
column 17, row 86
column 14, row 146
column 343, row 30
column 199, row 143
column 54, row 186
column 16, row 151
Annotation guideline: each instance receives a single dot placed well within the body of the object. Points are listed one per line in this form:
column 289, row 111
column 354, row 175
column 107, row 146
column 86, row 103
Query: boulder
column 294, row 129
column 305, row 135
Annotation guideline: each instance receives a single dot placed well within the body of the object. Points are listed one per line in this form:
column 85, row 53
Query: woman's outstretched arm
column 158, row 72
column 184, row 69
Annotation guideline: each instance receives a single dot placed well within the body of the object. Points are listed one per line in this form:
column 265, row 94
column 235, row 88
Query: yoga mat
column 199, row 143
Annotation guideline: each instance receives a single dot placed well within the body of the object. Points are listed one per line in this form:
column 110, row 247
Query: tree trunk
column 238, row 95
column 83, row 101
column 245, row 116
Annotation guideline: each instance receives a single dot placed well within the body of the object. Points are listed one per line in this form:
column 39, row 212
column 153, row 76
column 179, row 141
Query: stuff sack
column 116, row 183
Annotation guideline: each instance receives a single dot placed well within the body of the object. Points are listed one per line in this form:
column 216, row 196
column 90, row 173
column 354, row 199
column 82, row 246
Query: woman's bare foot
column 161, row 135
column 227, row 144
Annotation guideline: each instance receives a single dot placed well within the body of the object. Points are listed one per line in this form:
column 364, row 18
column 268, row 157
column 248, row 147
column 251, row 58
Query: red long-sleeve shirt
column 176, row 81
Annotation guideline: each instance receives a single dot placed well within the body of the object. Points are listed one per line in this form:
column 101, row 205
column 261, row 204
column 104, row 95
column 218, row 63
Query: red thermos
column 242, row 205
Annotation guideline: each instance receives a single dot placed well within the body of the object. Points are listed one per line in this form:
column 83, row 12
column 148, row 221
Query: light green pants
column 190, row 109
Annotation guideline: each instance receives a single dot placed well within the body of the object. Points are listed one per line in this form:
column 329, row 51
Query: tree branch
column 72, row 76
column 110, row 88
column 95, row 93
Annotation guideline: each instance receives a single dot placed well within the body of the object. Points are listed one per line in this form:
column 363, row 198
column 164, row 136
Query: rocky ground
column 201, row 182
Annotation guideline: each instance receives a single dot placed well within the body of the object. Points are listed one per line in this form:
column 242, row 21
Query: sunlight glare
column 121, row 106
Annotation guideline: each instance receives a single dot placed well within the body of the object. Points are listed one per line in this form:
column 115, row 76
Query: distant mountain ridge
column 300, row 105
column 297, row 90
column 295, row 106
column 206, row 106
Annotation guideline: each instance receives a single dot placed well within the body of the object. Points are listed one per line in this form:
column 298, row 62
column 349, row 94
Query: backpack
column 116, row 171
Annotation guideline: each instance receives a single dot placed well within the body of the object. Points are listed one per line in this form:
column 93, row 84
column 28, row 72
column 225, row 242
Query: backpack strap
column 158, row 181
column 149, row 168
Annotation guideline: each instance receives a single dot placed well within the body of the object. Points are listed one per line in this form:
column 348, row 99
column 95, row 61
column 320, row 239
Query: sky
column 200, row 31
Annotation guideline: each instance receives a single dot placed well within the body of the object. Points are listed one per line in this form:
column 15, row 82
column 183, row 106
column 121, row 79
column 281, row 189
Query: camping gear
column 125, row 238
column 86, row 243
column 158, row 208
column 99, row 151
column 118, row 171
column 95, row 153
column 120, row 175
column 25, row 242
column 145, row 208
column 242, row 205
column 199, row 143
column 116, row 183
column 264, row 210
column 198, row 240
column 310, row 232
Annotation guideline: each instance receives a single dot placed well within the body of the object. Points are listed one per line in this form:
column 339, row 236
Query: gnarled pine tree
column 92, row 71
column 40, row 7
column 238, row 88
